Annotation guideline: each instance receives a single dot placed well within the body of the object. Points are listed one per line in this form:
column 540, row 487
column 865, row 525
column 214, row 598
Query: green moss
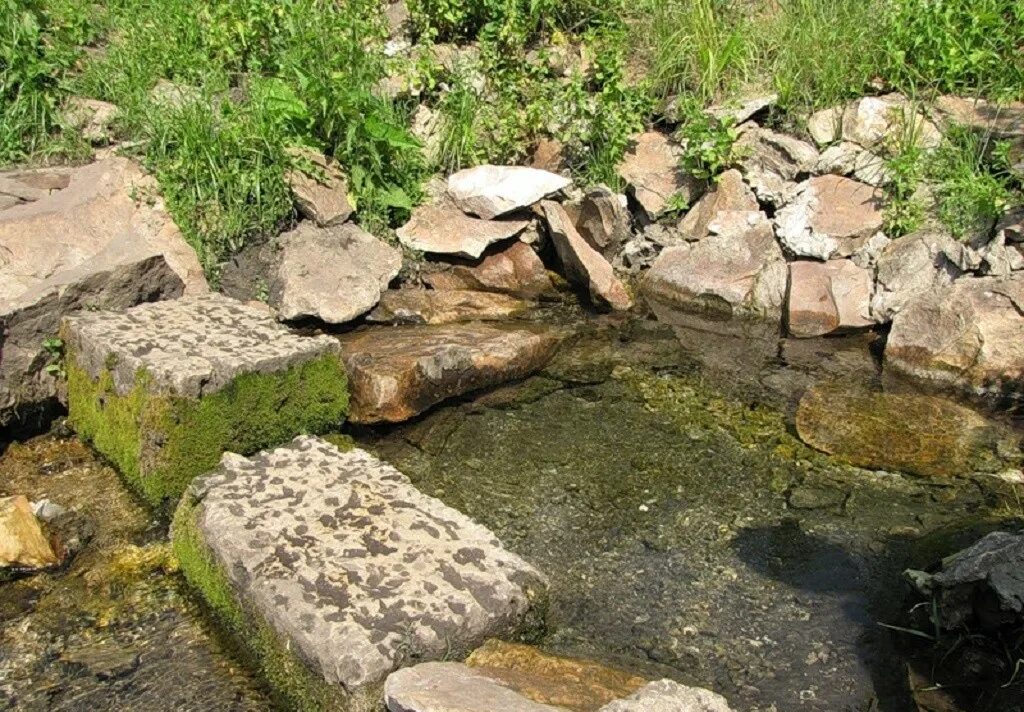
column 291, row 681
column 160, row 442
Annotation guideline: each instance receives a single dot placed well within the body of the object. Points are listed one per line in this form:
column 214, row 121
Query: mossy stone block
column 163, row 389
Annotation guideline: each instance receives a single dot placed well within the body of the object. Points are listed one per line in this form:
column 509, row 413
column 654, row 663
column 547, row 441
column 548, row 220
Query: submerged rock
column 515, row 270
column 651, row 169
column 339, row 571
column 398, row 373
column 453, row 687
column 422, row 306
column 922, row 435
column 319, row 188
column 669, row 696
column 491, row 191
column 443, row 230
column 23, row 545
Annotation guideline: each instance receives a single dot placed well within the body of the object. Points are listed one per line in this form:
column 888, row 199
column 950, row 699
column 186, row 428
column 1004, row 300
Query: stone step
column 335, row 571
column 398, row 373
column 164, row 389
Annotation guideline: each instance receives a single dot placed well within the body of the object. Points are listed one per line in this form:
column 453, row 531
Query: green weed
column 707, row 142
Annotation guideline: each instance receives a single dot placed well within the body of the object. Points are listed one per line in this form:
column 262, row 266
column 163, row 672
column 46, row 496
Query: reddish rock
column 423, row 306
column 548, row 155
column 825, row 297
column 651, row 168
column 319, row 188
column 830, row 216
column 515, row 270
column 729, row 193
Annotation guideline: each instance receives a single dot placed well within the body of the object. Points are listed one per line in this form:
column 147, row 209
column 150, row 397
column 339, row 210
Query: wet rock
column 319, row 188
column 92, row 118
column 85, row 245
column 729, row 193
column 969, row 335
column 669, row 696
column 448, row 231
column 604, row 221
column 349, row 566
column 491, row 191
column 515, row 270
column 23, row 545
column 651, row 169
column 914, row 264
column 567, row 683
column 829, row 216
column 825, row 126
column 453, row 687
column 875, row 120
column 922, row 435
column 398, row 373
column 583, row 264
column 224, row 369
column 771, row 161
column 421, row 306
column 825, row 297
column 737, row 270
column 333, row 274
column 999, row 121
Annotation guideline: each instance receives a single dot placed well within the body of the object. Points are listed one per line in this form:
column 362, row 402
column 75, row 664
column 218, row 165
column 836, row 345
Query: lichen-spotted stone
column 347, row 565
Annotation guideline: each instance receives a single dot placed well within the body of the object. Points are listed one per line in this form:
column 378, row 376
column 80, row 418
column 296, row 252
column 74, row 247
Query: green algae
column 160, row 442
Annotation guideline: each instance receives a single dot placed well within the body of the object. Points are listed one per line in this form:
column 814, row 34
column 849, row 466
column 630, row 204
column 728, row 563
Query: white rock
column 490, row 191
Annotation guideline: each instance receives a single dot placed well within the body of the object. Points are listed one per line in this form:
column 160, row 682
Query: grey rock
column 453, row 687
column 92, row 118
column 669, row 696
column 171, row 96
column 190, row 347
column 491, row 191
column 825, row 126
column 1000, row 121
column 912, row 265
column 651, row 169
column 829, row 216
column 333, row 274
column 319, row 188
column 728, row 193
column 771, row 162
column 351, row 566
column 826, row 297
column 846, row 159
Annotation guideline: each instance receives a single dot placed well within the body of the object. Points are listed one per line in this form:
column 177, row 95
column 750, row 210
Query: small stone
column 548, row 155
column 171, row 96
column 94, row 119
column 827, row 297
column 453, row 687
column 729, row 193
column 491, row 191
column 583, row 264
column 743, row 108
column 448, row 231
column 426, row 127
column 825, row 126
column 604, row 221
column 651, row 169
column 22, row 542
column 515, row 270
column 319, row 187
column 421, row 306
column 912, row 265
column 829, row 216
column 669, row 696
column 47, row 510
column 398, row 373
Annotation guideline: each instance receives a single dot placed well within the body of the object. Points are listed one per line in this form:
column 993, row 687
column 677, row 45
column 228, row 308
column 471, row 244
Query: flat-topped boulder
column 334, row 571
column 444, row 230
column 515, row 270
column 446, row 306
column 163, row 389
column 491, row 191
column 400, row 372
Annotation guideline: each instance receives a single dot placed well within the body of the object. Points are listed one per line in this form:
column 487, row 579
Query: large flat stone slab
column 453, row 687
column 163, row 389
column 669, row 696
column 444, row 230
column 400, row 372
column 332, row 566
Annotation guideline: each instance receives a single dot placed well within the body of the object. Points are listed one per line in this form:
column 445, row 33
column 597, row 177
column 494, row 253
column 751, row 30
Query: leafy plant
column 707, row 141
column 54, row 348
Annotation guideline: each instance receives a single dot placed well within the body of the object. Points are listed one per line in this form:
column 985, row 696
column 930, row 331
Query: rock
column 333, row 274
column 47, row 510
column 867, row 255
column 400, row 372
column 92, row 118
column 743, row 108
column 669, row 696
column 426, row 127
column 998, row 121
column 105, row 662
column 163, row 389
column 738, row 270
column 912, row 265
column 1010, row 227
column 82, row 242
column 583, row 265
column 651, row 169
column 980, row 588
column 604, row 221
column 29, row 185
column 566, row 683
column 919, row 434
column 421, row 306
column 491, row 191
column 999, row 259
column 399, row 18
column 452, row 687
column 875, row 120
column 548, row 155
column 729, row 193
column 846, row 158
column 826, row 297
column 829, row 216
column 349, row 568
column 447, row 231
column 172, row 96
column 969, row 335
column 22, row 542
column 771, row 161
column 319, row 188
column 826, row 126
column 515, row 270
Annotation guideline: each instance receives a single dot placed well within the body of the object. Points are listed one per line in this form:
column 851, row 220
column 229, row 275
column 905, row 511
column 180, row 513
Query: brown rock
column 651, row 168
column 319, row 187
column 421, row 306
column 969, row 335
column 874, row 120
column 825, row 297
column 22, row 542
column 548, row 155
column 29, row 185
column 1001, row 121
column 515, row 270
column 449, row 231
column 729, row 193
column 603, row 221
column 583, row 264
column 830, row 216
column 570, row 683
column 397, row 373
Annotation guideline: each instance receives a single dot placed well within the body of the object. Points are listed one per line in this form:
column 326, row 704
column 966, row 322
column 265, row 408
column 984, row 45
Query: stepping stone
column 453, row 687
column 400, row 372
column 423, row 306
column 164, row 389
column 335, row 571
